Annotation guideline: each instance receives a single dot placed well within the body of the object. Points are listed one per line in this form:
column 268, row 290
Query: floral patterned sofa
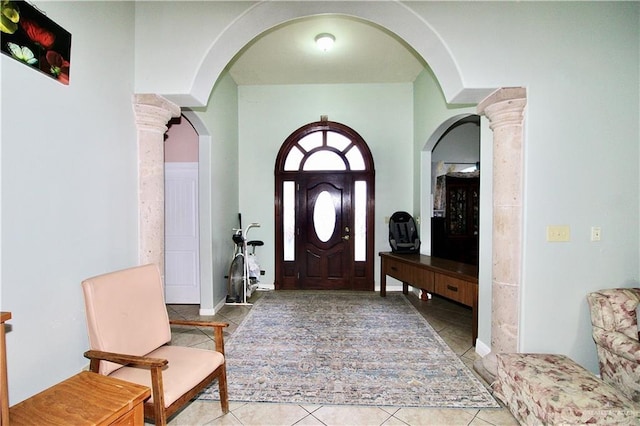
column 615, row 332
column 553, row 390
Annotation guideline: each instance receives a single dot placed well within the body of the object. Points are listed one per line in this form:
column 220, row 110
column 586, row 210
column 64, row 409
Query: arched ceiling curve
column 396, row 24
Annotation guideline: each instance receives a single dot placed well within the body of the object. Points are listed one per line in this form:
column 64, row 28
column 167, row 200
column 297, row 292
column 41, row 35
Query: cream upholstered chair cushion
column 128, row 323
column 186, row 367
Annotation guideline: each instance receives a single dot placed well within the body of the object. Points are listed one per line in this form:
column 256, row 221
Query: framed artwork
column 30, row 37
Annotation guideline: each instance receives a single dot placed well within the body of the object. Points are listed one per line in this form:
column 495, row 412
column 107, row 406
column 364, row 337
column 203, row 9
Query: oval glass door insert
column 324, row 216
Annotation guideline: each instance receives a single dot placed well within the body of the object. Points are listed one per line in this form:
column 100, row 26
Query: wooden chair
column 129, row 331
column 4, row 384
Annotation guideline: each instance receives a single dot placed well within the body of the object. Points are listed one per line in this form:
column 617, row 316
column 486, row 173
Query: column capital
column 153, row 112
column 504, row 107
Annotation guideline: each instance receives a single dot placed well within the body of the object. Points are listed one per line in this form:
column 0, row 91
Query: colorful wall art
column 28, row 36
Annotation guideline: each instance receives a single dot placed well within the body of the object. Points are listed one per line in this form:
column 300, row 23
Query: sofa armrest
column 618, row 344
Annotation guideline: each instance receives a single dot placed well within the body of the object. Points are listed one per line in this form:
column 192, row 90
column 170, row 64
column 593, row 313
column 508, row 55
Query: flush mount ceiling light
column 325, row 41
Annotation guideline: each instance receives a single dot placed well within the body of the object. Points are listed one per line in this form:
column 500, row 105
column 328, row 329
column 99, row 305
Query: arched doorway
column 505, row 109
column 455, row 185
column 324, row 198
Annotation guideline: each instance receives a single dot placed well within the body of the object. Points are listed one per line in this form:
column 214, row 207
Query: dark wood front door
column 324, row 210
column 325, row 246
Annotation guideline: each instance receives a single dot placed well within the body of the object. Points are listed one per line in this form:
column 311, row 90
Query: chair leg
column 159, row 412
column 222, row 386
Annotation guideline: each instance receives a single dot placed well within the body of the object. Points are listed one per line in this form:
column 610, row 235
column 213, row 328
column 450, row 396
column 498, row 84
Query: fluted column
column 505, row 111
column 152, row 114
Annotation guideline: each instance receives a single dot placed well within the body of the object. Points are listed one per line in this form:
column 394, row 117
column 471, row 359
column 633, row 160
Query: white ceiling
column 362, row 53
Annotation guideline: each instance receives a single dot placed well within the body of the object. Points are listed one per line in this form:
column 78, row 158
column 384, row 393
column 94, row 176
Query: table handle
column 452, row 288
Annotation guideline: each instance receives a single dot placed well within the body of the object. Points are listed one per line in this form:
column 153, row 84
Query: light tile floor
column 451, row 321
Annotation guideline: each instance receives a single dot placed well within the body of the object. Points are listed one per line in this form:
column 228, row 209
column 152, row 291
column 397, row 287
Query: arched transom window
column 324, row 150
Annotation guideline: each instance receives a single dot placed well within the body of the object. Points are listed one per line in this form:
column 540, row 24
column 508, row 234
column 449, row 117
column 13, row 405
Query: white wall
column 580, row 136
column 580, row 64
column 431, row 111
column 69, row 190
column 381, row 113
column 220, row 118
column 460, row 145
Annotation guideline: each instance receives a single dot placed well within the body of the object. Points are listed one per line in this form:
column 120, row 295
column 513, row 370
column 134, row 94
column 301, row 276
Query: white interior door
column 182, row 277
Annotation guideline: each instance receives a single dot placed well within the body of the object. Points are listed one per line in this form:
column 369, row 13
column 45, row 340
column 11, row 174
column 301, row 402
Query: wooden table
column 84, row 399
column 4, row 384
column 453, row 280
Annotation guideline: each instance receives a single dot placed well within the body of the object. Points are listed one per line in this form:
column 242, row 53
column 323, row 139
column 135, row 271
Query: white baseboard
column 211, row 312
column 481, row 348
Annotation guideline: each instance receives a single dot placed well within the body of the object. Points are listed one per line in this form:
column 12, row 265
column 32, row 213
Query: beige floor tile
column 434, row 416
column 341, row 415
column 479, row 422
column 197, row 413
column 310, row 407
column 392, row 421
column 309, row 421
column 390, row 410
column 270, row 414
column 226, row 420
column 457, row 344
column 189, row 338
column 498, row 417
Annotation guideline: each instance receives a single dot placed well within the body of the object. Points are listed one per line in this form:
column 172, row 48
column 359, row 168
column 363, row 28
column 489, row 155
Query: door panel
column 182, row 262
column 323, row 243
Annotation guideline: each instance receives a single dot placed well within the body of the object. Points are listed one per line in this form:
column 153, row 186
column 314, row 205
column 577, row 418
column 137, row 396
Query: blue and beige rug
column 345, row 348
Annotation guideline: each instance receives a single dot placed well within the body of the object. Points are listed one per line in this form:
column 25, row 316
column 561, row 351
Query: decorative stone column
column 152, row 113
column 505, row 110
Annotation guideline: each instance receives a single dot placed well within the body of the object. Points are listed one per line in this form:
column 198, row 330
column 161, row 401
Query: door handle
column 346, row 238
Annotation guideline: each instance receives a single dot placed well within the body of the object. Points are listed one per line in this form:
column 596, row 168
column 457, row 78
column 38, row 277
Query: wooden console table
column 84, row 399
column 453, row 280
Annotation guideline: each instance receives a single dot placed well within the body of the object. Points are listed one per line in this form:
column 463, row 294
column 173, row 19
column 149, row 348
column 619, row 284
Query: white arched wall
column 394, row 16
column 503, row 107
column 204, row 211
column 444, row 128
column 485, row 247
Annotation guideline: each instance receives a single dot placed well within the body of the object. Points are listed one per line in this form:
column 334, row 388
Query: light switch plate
column 558, row 233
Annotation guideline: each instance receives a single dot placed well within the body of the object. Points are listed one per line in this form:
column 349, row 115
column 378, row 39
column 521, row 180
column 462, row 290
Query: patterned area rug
column 345, row 348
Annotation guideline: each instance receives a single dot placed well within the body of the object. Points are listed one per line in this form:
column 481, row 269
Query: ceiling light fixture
column 325, row 41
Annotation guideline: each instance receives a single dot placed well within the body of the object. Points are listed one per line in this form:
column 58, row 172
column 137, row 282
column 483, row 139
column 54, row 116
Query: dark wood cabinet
column 455, row 235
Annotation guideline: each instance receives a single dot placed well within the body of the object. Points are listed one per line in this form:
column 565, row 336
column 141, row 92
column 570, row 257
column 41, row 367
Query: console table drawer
column 425, row 280
column 454, row 289
column 399, row 270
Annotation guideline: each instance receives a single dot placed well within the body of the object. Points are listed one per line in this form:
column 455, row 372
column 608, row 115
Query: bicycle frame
column 240, row 240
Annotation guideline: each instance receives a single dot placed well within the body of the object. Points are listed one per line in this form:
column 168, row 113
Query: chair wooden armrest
column 199, row 323
column 217, row 330
column 123, row 359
